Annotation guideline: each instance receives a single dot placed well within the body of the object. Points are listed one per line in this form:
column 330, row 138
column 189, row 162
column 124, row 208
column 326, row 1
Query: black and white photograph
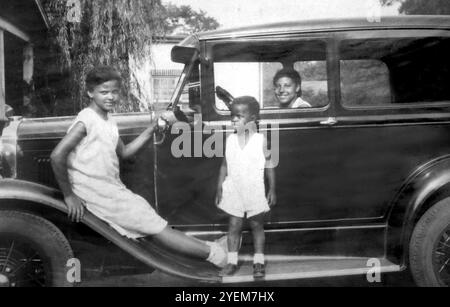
column 224, row 149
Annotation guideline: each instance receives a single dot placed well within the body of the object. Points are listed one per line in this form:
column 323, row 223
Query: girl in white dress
column 241, row 190
column 86, row 166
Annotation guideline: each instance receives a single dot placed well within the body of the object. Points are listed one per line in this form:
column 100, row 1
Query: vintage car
column 363, row 176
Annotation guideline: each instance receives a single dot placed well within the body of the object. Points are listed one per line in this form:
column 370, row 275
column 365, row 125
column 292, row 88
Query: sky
column 235, row 13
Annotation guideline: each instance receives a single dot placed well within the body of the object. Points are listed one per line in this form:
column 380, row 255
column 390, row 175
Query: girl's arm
column 129, row 150
column 222, row 175
column 59, row 164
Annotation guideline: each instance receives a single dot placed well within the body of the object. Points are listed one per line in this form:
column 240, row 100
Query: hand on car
column 169, row 117
column 272, row 198
column 75, row 207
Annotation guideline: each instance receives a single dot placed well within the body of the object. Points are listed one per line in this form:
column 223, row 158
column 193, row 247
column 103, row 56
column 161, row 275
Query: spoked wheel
column 441, row 257
column 33, row 252
column 430, row 247
column 21, row 265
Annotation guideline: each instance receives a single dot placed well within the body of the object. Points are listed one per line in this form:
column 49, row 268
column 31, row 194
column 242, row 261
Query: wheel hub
column 4, row 281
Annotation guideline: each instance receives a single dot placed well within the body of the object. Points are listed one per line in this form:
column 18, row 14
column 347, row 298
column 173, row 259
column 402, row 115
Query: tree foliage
column 421, row 7
column 185, row 20
column 108, row 32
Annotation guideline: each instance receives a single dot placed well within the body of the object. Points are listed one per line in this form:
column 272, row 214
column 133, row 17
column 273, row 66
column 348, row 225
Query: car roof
column 399, row 22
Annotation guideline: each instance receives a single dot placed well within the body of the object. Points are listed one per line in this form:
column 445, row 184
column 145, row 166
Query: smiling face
column 105, row 96
column 286, row 91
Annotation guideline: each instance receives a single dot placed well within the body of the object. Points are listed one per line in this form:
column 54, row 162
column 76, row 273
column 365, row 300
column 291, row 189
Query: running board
column 300, row 267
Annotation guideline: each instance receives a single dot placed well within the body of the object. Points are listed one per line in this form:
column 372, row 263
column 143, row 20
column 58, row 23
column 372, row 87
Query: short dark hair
column 101, row 74
column 251, row 103
column 289, row 73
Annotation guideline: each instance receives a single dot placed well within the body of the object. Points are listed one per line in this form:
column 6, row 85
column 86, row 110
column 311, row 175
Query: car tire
column 428, row 256
column 33, row 252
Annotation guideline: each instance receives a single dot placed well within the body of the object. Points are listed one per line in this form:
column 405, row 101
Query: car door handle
column 330, row 121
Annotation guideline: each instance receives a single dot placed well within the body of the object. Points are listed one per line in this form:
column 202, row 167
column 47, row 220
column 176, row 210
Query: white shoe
column 217, row 255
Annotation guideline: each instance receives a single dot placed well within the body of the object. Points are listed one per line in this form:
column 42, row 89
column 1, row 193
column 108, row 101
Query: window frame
column 208, row 81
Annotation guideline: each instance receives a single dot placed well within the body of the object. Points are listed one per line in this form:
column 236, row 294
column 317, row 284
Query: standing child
column 86, row 166
column 241, row 191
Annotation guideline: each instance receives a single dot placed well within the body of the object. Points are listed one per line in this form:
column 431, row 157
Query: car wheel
column 33, row 252
column 430, row 247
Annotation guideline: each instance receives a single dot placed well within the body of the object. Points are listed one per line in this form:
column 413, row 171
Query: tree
column 421, row 7
column 87, row 33
column 184, row 20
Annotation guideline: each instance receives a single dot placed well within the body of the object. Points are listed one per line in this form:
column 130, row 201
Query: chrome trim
column 218, row 232
column 9, row 148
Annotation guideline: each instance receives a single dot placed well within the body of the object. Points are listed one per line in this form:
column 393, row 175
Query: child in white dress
column 86, row 166
column 241, row 190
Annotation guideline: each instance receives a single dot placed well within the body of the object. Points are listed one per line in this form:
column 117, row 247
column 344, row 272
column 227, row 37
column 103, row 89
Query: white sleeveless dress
column 243, row 190
column 93, row 169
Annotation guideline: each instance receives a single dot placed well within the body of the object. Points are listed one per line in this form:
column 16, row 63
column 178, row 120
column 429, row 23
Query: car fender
column 152, row 253
column 427, row 185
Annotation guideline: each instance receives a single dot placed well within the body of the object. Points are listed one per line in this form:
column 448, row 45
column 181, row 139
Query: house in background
column 164, row 72
column 23, row 28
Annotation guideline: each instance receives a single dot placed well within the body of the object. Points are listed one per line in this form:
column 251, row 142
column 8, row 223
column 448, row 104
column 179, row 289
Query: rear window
column 395, row 72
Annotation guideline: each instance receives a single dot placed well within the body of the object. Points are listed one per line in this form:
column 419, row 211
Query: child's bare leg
column 183, row 243
column 234, row 233
column 234, row 236
column 259, row 238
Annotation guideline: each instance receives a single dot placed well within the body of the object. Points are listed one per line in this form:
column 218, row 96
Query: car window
column 249, row 69
column 395, row 72
column 365, row 83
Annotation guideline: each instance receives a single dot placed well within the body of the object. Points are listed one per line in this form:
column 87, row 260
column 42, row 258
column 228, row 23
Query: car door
column 300, row 137
column 392, row 116
column 302, row 140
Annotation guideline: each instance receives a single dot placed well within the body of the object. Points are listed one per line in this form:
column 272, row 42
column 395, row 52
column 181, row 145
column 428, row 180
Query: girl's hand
column 169, row 117
column 75, row 207
column 272, row 198
column 218, row 196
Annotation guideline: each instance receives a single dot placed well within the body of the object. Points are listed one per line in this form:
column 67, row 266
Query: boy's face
column 241, row 116
column 286, row 90
column 106, row 95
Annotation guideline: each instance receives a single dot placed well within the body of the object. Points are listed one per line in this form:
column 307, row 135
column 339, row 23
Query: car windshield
column 187, row 91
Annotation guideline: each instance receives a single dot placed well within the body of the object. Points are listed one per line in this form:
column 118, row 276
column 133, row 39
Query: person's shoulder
column 300, row 103
column 86, row 112
column 231, row 136
column 88, row 117
column 261, row 137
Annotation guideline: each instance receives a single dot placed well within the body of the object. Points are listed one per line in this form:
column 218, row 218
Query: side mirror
column 9, row 111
